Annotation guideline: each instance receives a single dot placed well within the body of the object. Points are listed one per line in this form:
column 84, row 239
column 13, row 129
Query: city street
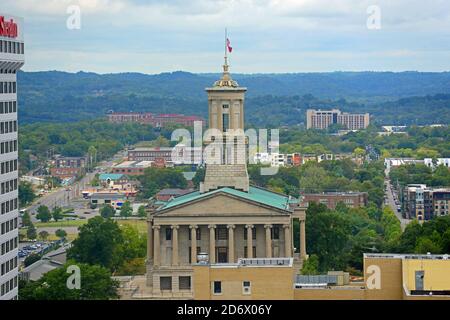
column 61, row 197
column 390, row 201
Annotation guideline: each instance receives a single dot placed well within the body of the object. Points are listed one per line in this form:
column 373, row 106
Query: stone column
column 212, row 243
column 268, row 228
column 249, row 240
column 149, row 240
column 174, row 245
column 287, row 241
column 231, row 243
column 156, row 244
column 193, row 243
column 302, row 240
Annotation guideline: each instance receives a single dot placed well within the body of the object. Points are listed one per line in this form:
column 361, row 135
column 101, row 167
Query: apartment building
column 423, row 203
column 322, row 119
column 11, row 60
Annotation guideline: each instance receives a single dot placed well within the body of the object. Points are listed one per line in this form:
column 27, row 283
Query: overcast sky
column 153, row 36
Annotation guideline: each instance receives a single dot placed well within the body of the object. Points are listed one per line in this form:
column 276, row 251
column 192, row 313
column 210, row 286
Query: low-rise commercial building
column 178, row 155
column 156, row 120
column 64, row 173
column 331, row 199
column 70, row 162
column 131, row 168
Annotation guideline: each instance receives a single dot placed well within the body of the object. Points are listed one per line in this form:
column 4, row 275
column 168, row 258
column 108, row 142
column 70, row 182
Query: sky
column 267, row 36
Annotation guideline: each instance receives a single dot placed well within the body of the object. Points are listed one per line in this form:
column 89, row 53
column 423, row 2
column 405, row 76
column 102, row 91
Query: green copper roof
column 255, row 194
column 110, row 176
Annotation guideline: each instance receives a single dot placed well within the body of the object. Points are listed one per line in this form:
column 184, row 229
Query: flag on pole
column 229, row 45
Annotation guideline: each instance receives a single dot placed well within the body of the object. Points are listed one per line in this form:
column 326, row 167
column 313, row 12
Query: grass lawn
column 67, row 223
column 140, row 225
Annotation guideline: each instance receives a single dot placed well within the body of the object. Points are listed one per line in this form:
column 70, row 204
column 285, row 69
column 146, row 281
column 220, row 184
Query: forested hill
column 60, row 96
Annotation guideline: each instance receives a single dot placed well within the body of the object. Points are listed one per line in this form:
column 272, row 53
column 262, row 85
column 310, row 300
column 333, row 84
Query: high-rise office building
column 11, row 60
column 321, row 119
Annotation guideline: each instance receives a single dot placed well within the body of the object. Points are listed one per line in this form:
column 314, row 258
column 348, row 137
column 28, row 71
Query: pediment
column 222, row 204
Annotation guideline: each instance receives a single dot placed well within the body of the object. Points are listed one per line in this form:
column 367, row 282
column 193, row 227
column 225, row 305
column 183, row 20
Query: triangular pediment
column 222, row 204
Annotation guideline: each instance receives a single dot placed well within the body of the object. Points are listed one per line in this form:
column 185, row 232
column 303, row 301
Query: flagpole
column 226, row 62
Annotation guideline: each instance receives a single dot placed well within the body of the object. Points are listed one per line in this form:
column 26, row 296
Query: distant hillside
column 272, row 98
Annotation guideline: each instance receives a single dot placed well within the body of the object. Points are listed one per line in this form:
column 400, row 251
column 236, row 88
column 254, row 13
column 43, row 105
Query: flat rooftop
column 407, row 256
column 254, row 262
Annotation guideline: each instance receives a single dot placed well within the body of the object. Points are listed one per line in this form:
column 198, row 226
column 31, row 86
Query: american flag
column 229, row 45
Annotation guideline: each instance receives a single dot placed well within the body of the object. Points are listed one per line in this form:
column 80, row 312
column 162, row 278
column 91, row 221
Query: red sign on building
column 8, row 28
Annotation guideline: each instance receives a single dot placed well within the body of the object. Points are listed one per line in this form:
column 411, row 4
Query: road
column 61, row 197
column 390, row 201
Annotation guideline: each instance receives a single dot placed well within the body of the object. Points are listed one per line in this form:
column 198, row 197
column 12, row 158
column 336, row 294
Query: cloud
column 180, row 32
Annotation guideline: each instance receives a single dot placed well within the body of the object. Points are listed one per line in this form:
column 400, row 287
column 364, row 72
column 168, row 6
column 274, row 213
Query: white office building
column 11, row 60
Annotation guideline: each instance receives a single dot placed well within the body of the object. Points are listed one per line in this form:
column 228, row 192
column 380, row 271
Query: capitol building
column 227, row 218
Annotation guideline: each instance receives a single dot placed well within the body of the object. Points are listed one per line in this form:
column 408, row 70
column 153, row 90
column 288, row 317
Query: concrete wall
column 267, row 283
column 436, row 277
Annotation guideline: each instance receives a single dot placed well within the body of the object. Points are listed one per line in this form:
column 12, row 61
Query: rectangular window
column 165, row 283
column 275, row 233
column 168, row 234
column 246, row 287
column 221, row 233
column 226, row 121
column 184, row 282
column 217, row 287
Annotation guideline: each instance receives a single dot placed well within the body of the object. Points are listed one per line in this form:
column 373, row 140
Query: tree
column 107, row 211
column 96, row 284
column 391, row 225
column 126, row 210
column 98, row 242
column 155, row 179
column 26, row 193
column 142, row 212
column 327, row 235
column 57, row 213
column 43, row 235
column 43, row 213
column 32, row 258
column 31, row 232
column 60, row 233
column 311, row 265
column 26, row 219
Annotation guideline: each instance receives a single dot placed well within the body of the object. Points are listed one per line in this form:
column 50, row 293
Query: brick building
column 331, row 199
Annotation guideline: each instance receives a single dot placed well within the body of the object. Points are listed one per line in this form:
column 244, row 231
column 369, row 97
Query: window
column 184, row 282
column 246, row 287
column 217, row 287
column 221, row 233
column 226, row 121
column 165, row 283
column 168, row 234
column 275, row 233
